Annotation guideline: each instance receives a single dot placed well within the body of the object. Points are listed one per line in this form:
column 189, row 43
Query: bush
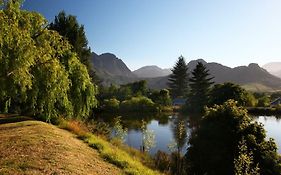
column 215, row 144
column 161, row 97
column 111, row 104
column 140, row 103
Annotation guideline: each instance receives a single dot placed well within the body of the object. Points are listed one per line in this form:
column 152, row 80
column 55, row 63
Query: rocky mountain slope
column 113, row 70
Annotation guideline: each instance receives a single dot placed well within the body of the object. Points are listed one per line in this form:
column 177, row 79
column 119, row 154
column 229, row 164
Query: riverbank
column 264, row 111
column 32, row 147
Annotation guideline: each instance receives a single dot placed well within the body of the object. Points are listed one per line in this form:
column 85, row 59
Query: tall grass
column 127, row 159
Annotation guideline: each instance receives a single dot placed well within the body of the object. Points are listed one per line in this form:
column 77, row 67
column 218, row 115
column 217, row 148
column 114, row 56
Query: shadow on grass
column 12, row 118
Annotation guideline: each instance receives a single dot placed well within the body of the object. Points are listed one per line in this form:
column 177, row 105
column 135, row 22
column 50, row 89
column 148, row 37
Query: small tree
column 119, row 132
column 179, row 131
column 200, row 84
column 148, row 138
column 178, row 80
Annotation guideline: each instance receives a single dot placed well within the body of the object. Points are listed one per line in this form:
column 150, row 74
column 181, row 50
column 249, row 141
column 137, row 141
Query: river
column 165, row 129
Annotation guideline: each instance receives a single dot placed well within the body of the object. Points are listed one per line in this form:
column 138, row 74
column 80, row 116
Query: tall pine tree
column 178, row 80
column 200, row 84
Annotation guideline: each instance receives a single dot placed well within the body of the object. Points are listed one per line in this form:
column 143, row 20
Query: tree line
column 199, row 90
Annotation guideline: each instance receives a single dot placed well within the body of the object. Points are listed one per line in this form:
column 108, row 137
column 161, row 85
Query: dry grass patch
column 32, row 147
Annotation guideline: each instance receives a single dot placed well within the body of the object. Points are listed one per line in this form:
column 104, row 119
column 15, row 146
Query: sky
column 157, row 32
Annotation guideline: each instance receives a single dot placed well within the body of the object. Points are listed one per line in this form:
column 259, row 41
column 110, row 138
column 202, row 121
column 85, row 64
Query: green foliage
column 220, row 93
column 243, row 163
column 124, row 93
column 263, row 101
column 68, row 27
column 39, row 72
column 130, row 164
column 200, row 84
column 111, row 104
column 214, row 145
column 178, row 80
column 138, row 87
column 161, row 97
column 138, row 104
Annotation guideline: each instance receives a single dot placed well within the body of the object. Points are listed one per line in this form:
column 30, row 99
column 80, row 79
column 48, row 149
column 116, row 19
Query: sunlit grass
column 124, row 157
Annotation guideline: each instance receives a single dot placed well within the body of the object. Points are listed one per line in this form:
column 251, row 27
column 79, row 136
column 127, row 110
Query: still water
column 272, row 125
column 165, row 130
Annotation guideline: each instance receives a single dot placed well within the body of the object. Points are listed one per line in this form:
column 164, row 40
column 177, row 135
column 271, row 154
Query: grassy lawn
column 33, row 147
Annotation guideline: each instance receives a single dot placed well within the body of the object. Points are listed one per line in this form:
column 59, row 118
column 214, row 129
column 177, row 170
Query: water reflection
column 175, row 130
column 170, row 130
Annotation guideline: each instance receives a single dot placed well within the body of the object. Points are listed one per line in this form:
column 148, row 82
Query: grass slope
column 256, row 87
column 33, row 147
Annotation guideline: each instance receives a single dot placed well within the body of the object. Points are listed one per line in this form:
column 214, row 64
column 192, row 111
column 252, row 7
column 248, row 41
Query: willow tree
column 39, row 72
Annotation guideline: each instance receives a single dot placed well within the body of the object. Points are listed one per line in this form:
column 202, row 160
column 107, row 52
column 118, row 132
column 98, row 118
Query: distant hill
column 274, row 68
column 113, row 70
column 151, row 72
column 255, row 77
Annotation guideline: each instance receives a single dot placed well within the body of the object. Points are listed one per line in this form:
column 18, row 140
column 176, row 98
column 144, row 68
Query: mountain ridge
column 111, row 69
column 151, row 71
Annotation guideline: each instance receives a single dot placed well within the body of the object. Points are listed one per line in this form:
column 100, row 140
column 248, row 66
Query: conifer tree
column 200, row 84
column 178, row 80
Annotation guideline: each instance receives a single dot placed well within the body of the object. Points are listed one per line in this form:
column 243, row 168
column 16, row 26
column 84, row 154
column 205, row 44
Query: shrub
column 140, row 103
column 110, row 104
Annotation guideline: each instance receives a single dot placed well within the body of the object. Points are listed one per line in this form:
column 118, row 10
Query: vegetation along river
column 166, row 129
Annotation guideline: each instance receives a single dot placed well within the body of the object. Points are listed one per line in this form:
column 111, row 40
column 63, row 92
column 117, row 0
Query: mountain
column 151, row 72
column 111, row 69
column 110, row 64
column 252, row 76
column 274, row 68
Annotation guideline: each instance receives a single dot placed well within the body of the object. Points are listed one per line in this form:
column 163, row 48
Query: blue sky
column 156, row 32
